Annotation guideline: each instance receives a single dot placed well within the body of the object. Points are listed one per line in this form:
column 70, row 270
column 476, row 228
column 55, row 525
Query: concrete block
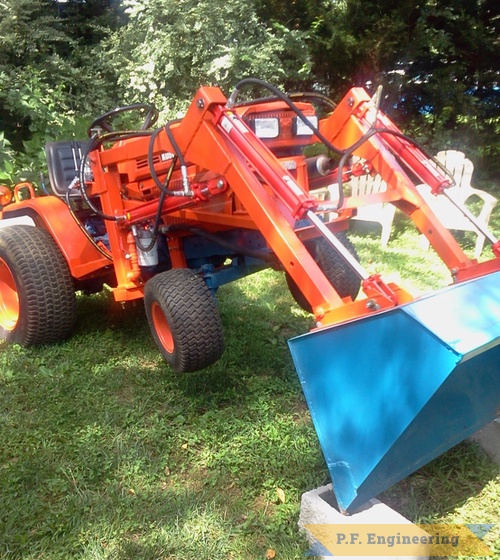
column 318, row 507
column 488, row 438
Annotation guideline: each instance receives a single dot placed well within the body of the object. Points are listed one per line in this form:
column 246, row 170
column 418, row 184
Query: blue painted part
column 208, row 256
column 318, row 549
column 390, row 392
column 196, row 247
column 480, row 530
column 215, row 278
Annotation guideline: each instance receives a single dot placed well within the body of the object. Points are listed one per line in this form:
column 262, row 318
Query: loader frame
column 172, row 214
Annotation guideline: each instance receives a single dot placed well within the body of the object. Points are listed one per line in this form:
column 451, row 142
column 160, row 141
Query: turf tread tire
column 192, row 316
column 47, row 302
column 340, row 275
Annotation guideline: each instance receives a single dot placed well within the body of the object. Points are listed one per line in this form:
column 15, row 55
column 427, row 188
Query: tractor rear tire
column 341, row 276
column 184, row 320
column 37, row 296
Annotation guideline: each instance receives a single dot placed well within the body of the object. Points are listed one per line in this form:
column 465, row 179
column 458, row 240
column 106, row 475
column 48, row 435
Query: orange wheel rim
column 162, row 327
column 9, row 298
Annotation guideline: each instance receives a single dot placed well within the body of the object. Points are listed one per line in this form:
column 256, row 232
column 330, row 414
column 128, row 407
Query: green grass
column 106, row 454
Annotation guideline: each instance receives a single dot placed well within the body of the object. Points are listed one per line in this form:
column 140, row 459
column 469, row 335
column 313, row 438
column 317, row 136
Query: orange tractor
column 170, row 214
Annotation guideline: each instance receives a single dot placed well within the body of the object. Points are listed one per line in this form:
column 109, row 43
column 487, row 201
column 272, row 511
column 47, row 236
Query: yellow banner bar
column 399, row 540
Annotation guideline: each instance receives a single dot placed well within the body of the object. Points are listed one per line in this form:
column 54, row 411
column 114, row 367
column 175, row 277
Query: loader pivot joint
column 374, row 285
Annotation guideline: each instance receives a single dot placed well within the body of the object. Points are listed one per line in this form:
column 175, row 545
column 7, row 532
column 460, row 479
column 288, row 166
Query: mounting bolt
column 372, row 305
column 350, row 101
column 200, row 103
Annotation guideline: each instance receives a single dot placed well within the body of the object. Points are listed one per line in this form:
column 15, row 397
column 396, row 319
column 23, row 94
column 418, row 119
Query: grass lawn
column 106, row 454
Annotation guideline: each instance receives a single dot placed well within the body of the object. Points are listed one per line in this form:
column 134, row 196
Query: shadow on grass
column 108, row 454
column 444, row 485
column 257, row 319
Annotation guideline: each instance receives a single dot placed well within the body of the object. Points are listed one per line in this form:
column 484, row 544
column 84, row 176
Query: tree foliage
column 51, row 78
column 169, row 48
column 436, row 59
column 62, row 63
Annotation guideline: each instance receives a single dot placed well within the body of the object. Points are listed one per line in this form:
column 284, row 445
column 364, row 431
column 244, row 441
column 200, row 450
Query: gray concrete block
column 318, row 507
column 488, row 438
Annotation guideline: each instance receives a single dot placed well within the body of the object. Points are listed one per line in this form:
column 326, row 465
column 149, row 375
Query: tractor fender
column 50, row 213
column 23, row 220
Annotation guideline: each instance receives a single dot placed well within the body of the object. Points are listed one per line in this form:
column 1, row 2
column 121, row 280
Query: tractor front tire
column 341, row 276
column 37, row 297
column 184, row 320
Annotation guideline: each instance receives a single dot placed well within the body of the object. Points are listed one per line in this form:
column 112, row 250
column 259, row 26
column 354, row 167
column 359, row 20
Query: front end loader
column 170, row 214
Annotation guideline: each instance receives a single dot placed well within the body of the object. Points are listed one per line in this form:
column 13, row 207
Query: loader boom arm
column 212, row 137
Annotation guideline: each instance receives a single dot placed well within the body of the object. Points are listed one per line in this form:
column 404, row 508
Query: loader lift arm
column 393, row 155
column 213, row 136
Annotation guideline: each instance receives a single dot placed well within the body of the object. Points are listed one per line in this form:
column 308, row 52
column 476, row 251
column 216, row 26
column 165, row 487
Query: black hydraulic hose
column 173, row 141
column 372, row 132
column 156, row 227
column 162, row 186
column 94, row 143
column 287, row 100
column 308, row 96
column 163, row 194
column 343, row 160
column 82, row 228
column 314, row 96
column 43, row 186
column 182, row 161
column 349, row 151
column 420, row 147
column 345, row 154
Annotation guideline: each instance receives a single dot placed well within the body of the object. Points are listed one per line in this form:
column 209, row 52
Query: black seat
column 63, row 162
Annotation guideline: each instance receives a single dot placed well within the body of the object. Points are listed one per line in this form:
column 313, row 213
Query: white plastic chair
column 381, row 213
column 461, row 168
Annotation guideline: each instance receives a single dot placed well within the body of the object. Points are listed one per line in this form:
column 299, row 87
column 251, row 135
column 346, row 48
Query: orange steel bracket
column 354, row 117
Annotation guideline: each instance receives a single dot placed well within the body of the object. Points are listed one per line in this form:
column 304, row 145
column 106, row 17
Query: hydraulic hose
column 420, row 147
column 312, row 96
column 255, row 81
column 345, row 154
column 82, row 227
column 164, row 186
column 182, row 161
column 94, row 143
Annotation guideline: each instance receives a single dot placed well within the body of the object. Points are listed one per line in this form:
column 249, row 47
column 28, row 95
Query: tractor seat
column 63, row 162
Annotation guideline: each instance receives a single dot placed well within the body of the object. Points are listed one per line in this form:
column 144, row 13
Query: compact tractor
column 170, row 214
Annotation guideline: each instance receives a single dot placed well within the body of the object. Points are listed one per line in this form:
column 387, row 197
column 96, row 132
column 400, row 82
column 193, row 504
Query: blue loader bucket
column 390, row 392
